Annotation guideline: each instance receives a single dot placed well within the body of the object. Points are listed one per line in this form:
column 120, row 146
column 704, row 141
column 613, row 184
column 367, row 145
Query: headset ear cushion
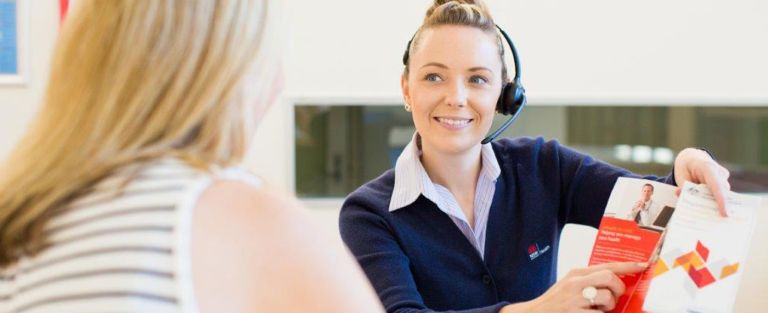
column 511, row 100
column 520, row 99
column 501, row 105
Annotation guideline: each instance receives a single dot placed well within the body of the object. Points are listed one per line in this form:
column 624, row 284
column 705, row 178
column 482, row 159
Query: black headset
column 512, row 98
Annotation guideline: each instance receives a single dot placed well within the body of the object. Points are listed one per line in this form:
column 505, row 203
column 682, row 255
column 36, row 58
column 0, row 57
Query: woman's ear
column 404, row 88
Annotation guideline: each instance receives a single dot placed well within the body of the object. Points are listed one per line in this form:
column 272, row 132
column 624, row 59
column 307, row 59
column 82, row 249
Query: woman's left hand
column 697, row 166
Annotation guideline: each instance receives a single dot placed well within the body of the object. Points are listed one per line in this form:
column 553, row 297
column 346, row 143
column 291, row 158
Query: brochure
column 696, row 255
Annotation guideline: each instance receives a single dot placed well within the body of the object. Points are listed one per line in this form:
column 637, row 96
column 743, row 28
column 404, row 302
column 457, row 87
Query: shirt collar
column 412, row 180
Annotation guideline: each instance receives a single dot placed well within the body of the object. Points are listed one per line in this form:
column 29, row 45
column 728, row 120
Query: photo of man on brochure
column 648, row 212
column 647, row 203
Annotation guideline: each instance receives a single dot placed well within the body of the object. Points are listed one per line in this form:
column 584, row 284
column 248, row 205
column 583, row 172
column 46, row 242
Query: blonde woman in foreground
column 123, row 197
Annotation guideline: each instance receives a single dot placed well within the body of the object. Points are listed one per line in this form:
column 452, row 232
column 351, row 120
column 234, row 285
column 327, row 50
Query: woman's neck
column 458, row 172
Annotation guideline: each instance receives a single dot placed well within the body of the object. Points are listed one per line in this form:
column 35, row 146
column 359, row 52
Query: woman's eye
column 433, row 78
column 478, row 80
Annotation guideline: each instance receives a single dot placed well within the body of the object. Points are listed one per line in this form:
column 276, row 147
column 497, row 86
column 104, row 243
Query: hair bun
column 438, row 3
column 448, row 5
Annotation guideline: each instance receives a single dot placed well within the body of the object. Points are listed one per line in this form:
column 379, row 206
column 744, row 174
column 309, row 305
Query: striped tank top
column 125, row 247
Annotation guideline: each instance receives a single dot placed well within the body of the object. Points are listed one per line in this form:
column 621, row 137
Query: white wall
column 589, row 51
column 631, row 50
column 19, row 103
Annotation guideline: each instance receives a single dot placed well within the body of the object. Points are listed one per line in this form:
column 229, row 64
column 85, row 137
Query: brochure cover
column 697, row 255
column 636, row 215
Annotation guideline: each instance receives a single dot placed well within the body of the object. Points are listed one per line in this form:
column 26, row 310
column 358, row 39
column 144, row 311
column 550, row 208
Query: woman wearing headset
column 459, row 225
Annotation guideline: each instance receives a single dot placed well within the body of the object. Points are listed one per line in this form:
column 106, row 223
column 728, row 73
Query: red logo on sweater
column 535, row 252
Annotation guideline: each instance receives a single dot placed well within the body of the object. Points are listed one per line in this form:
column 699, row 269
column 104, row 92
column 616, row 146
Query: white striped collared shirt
column 412, row 180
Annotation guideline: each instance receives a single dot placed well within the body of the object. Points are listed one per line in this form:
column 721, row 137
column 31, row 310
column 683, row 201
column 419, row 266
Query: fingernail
column 642, row 264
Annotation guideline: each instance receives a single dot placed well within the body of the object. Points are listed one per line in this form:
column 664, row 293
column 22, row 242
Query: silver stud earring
column 407, row 107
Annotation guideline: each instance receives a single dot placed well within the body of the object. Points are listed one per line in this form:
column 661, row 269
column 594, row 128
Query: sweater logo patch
column 534, row 251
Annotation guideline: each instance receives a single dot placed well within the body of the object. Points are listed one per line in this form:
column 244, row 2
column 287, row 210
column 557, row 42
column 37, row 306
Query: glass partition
column 340, row 147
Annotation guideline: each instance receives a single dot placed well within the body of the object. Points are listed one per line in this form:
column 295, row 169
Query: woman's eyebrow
column 440, row 65
column 480, row 68
column 472, row 69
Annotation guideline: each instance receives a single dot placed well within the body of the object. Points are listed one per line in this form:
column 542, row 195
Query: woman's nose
column 457, row 95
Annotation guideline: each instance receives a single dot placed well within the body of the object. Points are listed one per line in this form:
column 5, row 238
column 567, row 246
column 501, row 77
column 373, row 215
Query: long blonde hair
column 131, row 81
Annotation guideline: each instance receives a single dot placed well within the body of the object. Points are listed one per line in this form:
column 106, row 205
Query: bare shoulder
column 256, row 249
column 241, row 204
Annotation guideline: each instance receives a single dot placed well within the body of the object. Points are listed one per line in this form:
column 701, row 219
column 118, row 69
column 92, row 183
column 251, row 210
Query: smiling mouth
column 453, row 122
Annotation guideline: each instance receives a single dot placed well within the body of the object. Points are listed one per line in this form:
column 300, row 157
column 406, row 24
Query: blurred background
column 631, row 83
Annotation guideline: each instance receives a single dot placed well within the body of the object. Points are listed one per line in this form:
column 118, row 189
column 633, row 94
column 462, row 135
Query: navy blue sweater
column 419, row 261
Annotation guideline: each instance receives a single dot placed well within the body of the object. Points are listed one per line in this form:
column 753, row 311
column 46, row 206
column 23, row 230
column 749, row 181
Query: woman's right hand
column 566, row 294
